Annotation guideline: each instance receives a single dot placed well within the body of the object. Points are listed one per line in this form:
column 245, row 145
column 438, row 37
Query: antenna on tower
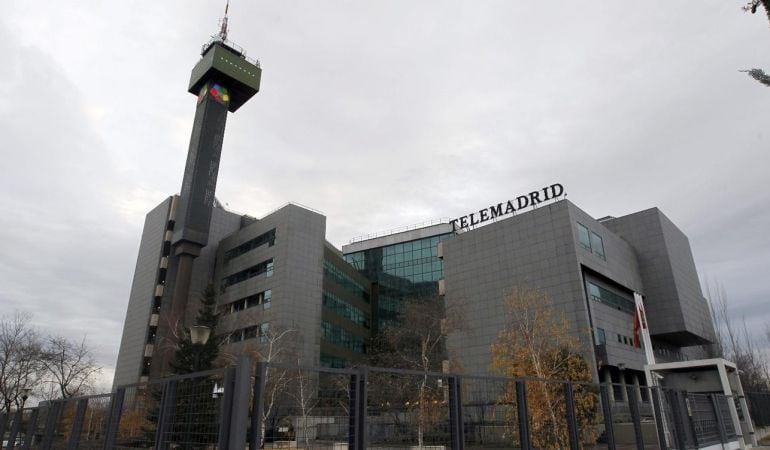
column 223, row 28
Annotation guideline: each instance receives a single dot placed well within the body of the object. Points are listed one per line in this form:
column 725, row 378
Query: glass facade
column 344, row 280
column 610, row 298
column 342, row 337
column 344, row 309
column 406, row 269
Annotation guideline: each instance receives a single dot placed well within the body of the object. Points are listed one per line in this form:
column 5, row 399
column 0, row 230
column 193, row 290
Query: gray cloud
column 379, row 115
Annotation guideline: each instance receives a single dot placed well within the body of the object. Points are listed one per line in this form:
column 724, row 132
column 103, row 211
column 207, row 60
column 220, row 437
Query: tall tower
column 223, row 80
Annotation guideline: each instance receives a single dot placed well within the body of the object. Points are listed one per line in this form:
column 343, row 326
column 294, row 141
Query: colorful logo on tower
column 219, row 93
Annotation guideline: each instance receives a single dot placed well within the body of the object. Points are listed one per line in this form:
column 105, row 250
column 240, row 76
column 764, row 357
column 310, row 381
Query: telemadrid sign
column 532, row 199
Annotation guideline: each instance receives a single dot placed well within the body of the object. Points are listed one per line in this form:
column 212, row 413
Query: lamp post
column 199, row 336
column 24, row 396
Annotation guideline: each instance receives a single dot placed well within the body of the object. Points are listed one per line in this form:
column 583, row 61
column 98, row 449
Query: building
column 591, row 269
column 280, row 287
column 279, row 283
column 400, row 265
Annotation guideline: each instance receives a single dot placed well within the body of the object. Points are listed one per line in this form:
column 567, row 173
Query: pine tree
column 189, row 357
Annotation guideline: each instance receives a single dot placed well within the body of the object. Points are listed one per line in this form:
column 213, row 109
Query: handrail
column 401, row 229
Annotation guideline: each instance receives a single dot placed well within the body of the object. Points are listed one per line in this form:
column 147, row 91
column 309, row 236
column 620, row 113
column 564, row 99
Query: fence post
column 165, row 412
column 361, row 431
column 633, row 404
column 226, row 408
column 239, row 421
column 77, row 424
column 3, row 423
column 679, row 429
column 353, row 414
column 523, row 412
column 654, row 393
column 258, row 406
column 720, row 418
column 15, row 429
column 572, row 427
column 113, row 421
column 357, row 431
column 609, row 430
column 457, row 428
column 30, row 429
column 50, row 424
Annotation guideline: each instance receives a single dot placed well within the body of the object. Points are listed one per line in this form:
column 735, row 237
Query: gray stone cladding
column 296, row 282
column 541, row 249
column 677, row 311
column 535, row 249
column 131, row 353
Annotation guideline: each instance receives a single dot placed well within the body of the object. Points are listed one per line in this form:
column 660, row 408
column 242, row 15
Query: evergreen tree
column 191, row 357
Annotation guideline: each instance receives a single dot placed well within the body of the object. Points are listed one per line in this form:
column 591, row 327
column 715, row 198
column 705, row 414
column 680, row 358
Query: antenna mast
column 223, row 28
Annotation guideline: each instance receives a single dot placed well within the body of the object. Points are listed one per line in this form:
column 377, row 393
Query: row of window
column 333, row 361
column 610, row 298
column 345, row 280
column 344, row 309
column 590, row 241
column 262, row 298
column 265, row 267
column 601, row 338
column 420, row 244
column 259, row 331
column 264, row 238
column 342, row 337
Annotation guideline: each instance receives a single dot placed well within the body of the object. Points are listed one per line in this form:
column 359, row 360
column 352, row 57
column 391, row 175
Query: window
column 598, row 245
column 266, row 238
column 345, row 281
column 610, row 298
column 620, row 339
column 265, row 266
column 342, row 337
column 583, row 237
column 344, row 309
column 262, row 298
column 264, row 330
column 601, row 337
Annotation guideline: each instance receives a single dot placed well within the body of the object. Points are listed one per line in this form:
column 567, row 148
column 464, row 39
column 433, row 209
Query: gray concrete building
column 589, row 268
column 280, row 284
column 281, row 289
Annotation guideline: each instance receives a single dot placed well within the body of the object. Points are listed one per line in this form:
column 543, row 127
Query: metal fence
column 274, row 406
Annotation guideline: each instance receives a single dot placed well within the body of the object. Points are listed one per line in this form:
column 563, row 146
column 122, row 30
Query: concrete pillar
column 637, row 388
column 731, row 403
column 623, row 387
column 608, row 379
column 745, row 409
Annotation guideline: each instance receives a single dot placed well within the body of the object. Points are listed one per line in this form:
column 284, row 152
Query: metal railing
column 275, row 406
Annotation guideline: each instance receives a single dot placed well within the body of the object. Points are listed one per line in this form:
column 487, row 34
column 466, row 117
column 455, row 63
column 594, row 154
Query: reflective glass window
column 583, row 237
column 597, row 244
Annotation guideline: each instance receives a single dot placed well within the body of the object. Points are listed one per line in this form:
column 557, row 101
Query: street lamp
column 199, row 334
column 24, row 396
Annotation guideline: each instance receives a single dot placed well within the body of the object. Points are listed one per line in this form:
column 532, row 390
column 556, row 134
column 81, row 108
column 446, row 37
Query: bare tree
column 70, row 365
column 304, row 391
column 417, row 341
column 20, row 359
column 735, row 342
column 276, row 345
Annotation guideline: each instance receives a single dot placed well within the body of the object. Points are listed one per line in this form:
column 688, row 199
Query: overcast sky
column 378, row 114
